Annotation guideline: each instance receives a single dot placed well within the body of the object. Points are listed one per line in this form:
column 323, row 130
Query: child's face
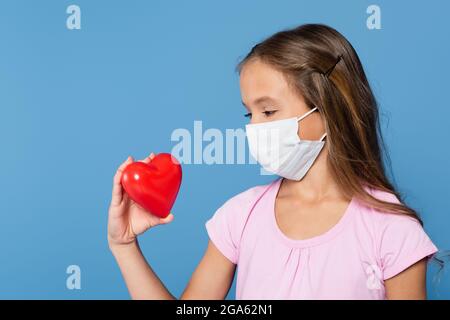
column 267, row 97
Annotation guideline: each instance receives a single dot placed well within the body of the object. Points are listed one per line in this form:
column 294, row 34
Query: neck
column 317, row 184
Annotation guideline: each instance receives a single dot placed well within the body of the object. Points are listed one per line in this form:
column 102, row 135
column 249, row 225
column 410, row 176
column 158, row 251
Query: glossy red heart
column 154, row 186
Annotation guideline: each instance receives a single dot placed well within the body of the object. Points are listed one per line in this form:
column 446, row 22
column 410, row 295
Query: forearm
column 139, row 277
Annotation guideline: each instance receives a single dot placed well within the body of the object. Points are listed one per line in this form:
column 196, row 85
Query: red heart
column 154, row 186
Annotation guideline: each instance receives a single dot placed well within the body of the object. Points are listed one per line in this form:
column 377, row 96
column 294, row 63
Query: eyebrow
column 261, row 100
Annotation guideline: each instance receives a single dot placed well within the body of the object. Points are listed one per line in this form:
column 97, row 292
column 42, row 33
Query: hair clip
column 328, row 72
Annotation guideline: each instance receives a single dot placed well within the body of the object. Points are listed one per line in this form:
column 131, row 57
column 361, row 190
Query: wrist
column 116, row 247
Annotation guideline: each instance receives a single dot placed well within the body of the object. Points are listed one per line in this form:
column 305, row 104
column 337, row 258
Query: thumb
column 167, row 219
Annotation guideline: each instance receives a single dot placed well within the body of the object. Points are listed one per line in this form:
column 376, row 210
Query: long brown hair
column 323, row 67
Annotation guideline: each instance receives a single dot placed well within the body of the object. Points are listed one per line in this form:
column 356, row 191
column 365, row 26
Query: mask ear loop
column 306, row 114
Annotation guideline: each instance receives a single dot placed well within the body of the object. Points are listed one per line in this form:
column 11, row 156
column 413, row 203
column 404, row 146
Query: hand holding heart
column 126, row 218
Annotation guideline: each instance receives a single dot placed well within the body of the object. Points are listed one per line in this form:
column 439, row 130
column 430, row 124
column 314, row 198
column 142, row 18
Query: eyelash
column 267, row 113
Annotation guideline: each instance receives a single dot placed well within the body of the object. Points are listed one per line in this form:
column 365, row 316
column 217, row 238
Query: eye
column 248, row 115
column 268, row 113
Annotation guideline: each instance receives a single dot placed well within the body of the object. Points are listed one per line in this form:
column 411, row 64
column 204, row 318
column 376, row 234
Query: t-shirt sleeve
column 226, row 226
column 403, row 243
column 221, row 231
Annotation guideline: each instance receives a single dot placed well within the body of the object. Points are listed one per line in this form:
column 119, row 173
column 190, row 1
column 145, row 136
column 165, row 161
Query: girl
column 331, row 226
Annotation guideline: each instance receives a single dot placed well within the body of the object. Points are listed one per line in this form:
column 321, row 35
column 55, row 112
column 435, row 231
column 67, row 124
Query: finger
column 149, row 158
column 119, row 171
column 167, row 219
column 117, row 192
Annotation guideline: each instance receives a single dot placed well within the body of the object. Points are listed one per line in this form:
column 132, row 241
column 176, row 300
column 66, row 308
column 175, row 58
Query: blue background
column 75, row 103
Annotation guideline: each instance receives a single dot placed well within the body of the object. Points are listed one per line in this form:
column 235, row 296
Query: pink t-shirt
column 349, row 261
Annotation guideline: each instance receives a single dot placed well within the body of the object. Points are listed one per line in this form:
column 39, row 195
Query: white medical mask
column 276, row 146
